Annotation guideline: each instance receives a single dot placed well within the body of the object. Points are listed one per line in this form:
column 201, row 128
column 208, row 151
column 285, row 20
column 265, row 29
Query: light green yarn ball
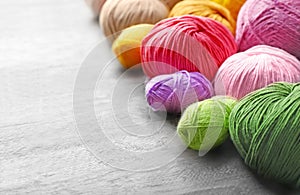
column 204, row 125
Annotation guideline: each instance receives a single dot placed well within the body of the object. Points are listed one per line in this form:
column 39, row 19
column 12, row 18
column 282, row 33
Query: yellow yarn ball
column 127, row 45
column 207, row 9
column 117, row 15
column 233, row 6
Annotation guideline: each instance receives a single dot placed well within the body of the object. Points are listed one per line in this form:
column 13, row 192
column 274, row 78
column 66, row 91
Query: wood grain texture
column 42, row 44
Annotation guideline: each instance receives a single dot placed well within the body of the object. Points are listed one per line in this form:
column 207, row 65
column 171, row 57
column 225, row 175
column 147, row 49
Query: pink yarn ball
column 255, row 68
column 191, row 43
column 270, row 22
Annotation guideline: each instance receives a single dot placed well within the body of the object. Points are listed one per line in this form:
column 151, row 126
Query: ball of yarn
column 95, row 5
column 170, row 3
column 174, row 92
column 255, row 68
column 127, row 45
column 270, row 22
column 117, row 15
column 233, row 6
column 265, row 129
column 205, row 8
column 204, row 125
column 192, row 43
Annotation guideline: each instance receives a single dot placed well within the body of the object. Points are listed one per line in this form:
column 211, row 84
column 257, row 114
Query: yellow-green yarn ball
column 204, row 125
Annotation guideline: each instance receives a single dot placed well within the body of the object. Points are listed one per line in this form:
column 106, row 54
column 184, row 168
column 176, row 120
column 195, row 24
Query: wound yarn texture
column 192, row 43
column 174, row 92
column 265, row 129
column 255, row 68
column 269, row 22
column 117, row 15
column 204, row 125
column 205, row 8
column 233, row 6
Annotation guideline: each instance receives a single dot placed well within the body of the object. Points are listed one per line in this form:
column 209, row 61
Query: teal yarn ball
column 204, row 125
column 265, row 129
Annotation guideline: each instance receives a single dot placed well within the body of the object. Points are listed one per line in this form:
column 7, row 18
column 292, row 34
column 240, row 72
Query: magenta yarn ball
column 174, row 92
column 192, row 43
column 269, row 22
column 255, row 68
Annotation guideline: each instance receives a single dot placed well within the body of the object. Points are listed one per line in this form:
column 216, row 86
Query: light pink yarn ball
column 255, row 68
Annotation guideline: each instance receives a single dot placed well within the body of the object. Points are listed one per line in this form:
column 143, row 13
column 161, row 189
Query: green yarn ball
column 204, row 125
column 265, row 129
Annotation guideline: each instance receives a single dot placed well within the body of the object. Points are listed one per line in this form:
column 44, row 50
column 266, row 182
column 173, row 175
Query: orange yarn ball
column 127, row 46
column 207, row 9
column 233, row 6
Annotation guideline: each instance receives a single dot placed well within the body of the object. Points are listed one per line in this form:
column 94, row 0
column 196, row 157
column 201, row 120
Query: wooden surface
column 42, row 45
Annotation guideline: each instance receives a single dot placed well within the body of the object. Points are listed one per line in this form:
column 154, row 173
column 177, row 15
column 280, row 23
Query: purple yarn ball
column 269, row 22
column 175, row 92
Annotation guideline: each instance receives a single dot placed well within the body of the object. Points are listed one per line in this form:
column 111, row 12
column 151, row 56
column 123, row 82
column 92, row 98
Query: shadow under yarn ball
column 174, row 92
column 192, row 43
column 265, row 129
column 117, row 15
column 205, row 8
column 245, row 72
column 270, row 22
column 204, row 125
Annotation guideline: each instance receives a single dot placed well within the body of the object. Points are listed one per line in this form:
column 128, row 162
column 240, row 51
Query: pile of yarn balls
column 228, row 68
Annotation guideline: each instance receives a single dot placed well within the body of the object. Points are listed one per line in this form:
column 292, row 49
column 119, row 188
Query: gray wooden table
column 42, row 46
